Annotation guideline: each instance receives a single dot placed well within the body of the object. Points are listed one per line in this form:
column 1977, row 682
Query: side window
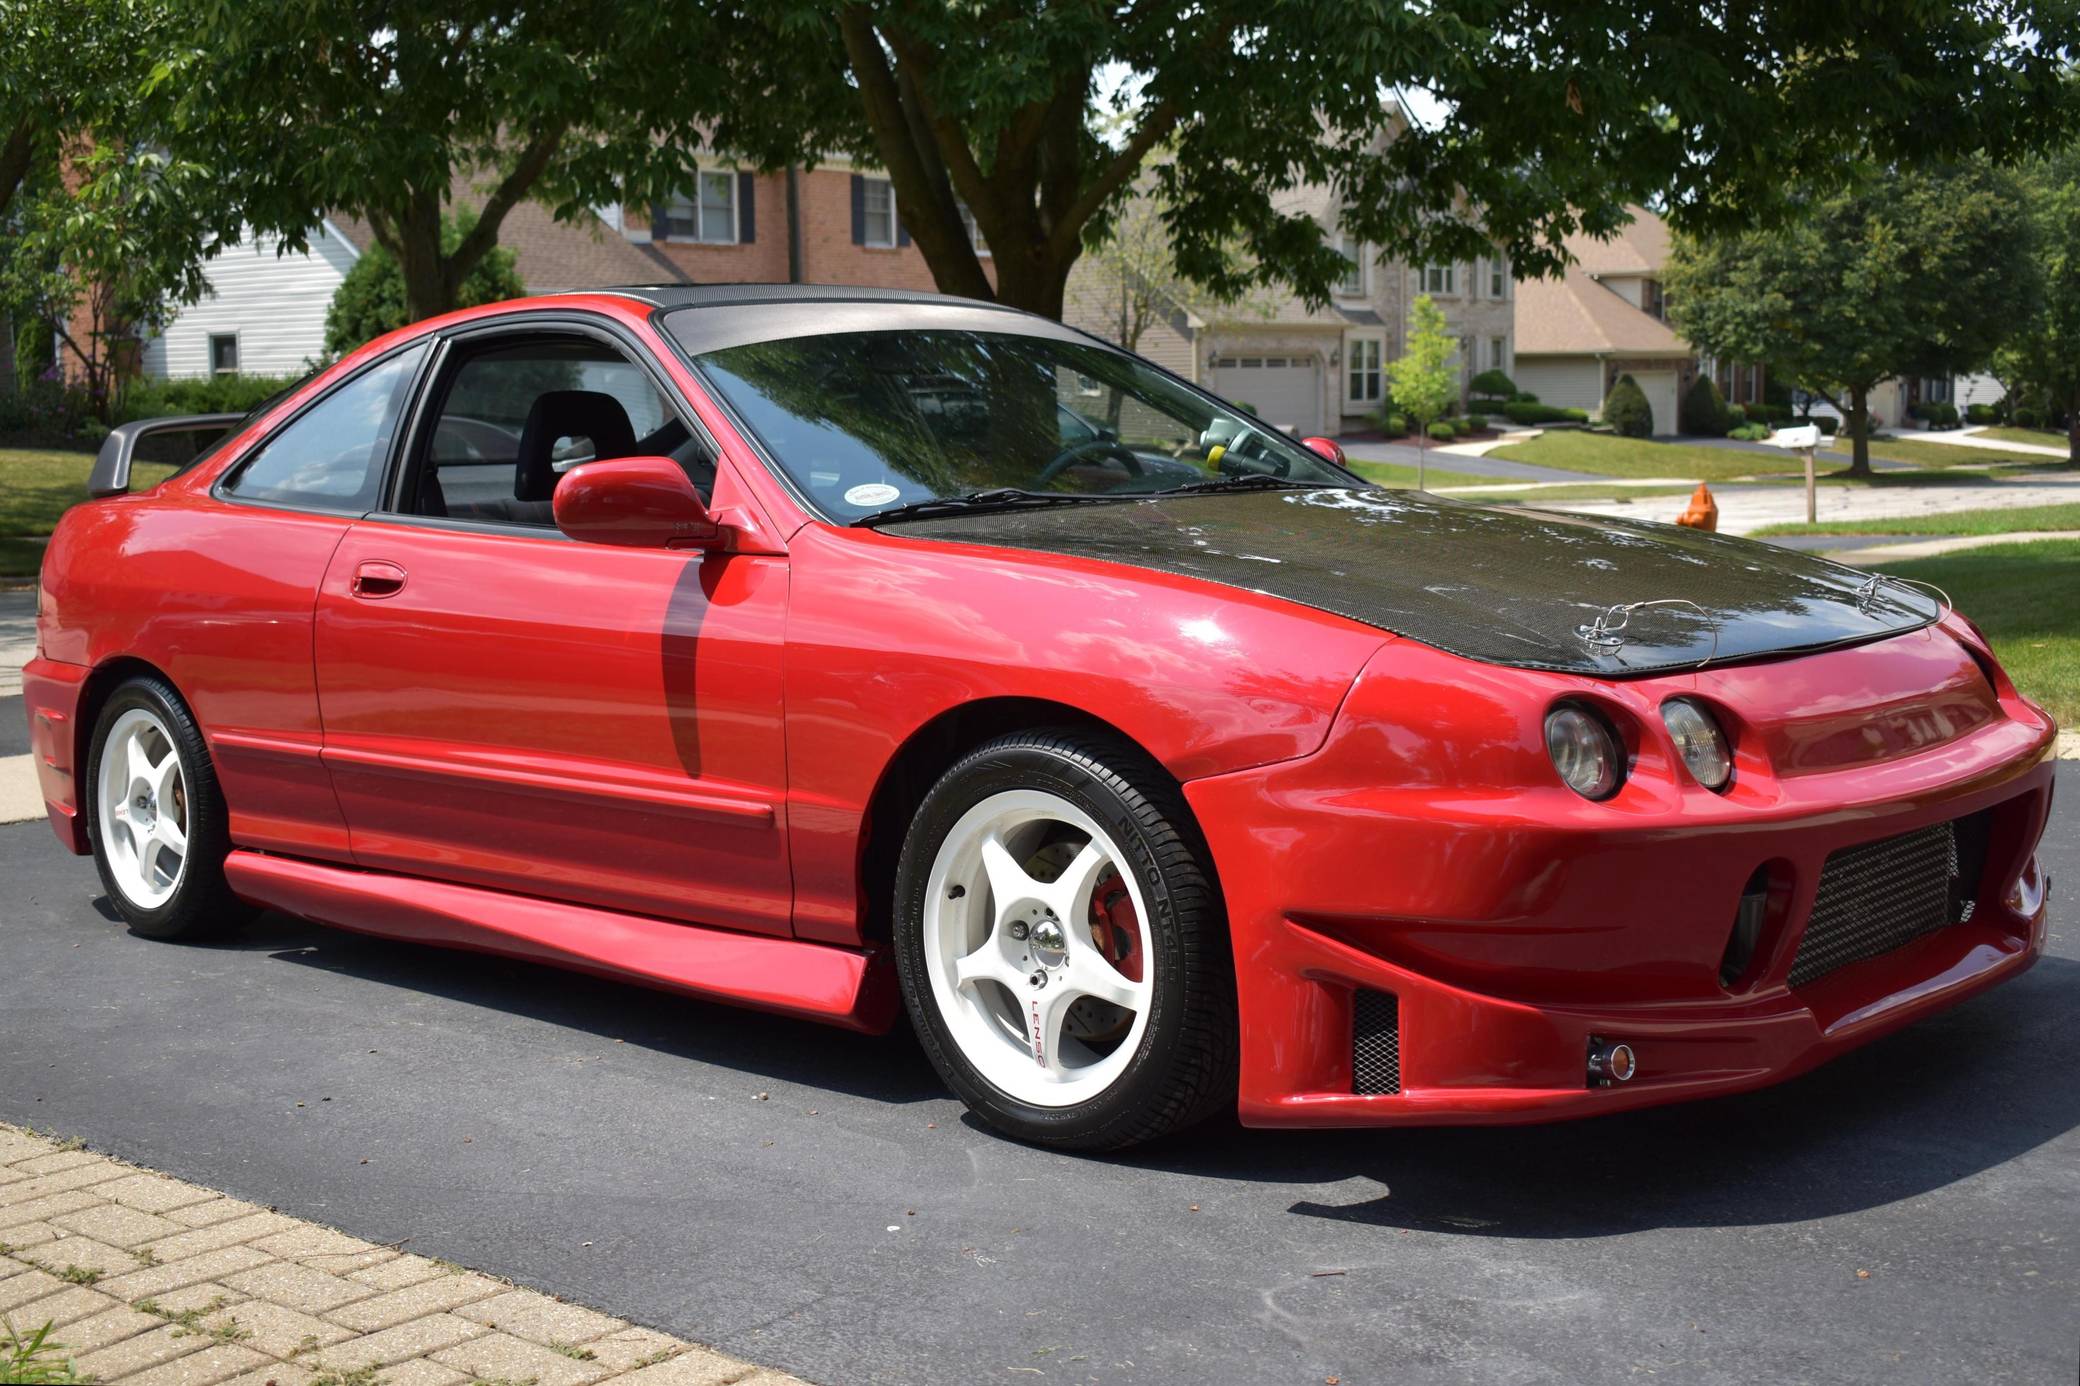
column 331, row 457
column 513, row 419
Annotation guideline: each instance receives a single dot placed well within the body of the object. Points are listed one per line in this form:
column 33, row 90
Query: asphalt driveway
column 813, row 1200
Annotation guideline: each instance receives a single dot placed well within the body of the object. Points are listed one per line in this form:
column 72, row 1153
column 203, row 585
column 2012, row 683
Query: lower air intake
column 1375, row 1042
column 1883, row 895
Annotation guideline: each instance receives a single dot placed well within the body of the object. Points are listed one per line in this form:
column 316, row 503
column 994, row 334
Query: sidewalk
column 1969, row 438
column 150, row 1281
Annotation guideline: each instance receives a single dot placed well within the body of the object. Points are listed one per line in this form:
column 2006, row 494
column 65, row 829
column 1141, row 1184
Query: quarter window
column 331, row 457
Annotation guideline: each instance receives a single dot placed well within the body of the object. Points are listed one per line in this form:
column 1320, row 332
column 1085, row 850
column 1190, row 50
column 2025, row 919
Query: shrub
column 1476, row 422
column 1704, row 409
column 1736, row 415
column 1443, row 432
column 208, row 394
column 370, row 300
column 1390, row 422
column 1524, row 397
column 1828, row 423
column 1626, row 409
column 1532, row 412
column 1981, row 414
column 43, row 409
column 1493, row 384
column 2027, row 417
column 1749, row 433
column 1483, row 405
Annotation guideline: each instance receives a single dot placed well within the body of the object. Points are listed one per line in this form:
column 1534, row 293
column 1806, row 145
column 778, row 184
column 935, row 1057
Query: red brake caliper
column 1114, row 927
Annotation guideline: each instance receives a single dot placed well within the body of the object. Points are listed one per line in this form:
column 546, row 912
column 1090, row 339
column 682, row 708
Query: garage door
column 1286, row 390
column 1660, row 390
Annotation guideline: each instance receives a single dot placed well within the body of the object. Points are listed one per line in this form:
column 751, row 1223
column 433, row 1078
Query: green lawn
column 1606, row 453
column 36, row 487
column 2015, row 520
column 1400, row 477
column 1926, row 454
column 2026, row 597
column 2042, row 437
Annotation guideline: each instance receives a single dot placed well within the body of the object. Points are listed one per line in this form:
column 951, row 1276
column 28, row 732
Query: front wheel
column 156, row 817
column 1061, row 944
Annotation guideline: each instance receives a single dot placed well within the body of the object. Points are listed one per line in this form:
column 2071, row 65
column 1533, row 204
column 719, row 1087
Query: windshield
column 864, row 422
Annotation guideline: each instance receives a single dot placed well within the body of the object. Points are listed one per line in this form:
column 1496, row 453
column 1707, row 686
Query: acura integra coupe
column 857, row 654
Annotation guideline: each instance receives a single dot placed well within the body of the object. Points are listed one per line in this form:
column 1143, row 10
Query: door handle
column 375, row 580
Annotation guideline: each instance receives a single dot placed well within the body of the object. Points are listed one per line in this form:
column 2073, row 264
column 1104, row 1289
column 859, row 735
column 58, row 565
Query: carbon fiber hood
column 1505, row 586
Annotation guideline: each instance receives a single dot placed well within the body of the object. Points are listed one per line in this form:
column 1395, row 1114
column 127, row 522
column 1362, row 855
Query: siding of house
column 1569, row 382
column 275, row 306
column 1091, row 304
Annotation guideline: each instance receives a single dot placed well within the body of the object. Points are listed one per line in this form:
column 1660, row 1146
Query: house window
column 881, row 212
column 1441, row 279
column 710, row 215
column 974, row 231
column 223, row 353
column 1352, row 285
column 1363, row 379
column 1498, row 280
column 1650, row 298
column 1498, row 354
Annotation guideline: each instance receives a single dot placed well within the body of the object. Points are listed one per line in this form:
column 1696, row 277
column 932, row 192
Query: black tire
column 201, row 905
column 1184, row 1068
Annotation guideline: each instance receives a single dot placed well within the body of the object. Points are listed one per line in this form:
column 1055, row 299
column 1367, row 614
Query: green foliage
column 1532, row 412
column 1476, row 422
column 1704, row 409
column 32, row 1359
column 1493, row 384
column 2042, row 360
column 1626, row 409
column 1559, row 116
column 371, row 299
column 1750, row 433
column 1423, row 379
column 209, row 394
column 1981, row 414
column 1736, row 415
column 1921, row 270
column 1442, row 431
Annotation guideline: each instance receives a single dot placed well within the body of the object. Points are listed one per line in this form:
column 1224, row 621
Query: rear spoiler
column 111, row 475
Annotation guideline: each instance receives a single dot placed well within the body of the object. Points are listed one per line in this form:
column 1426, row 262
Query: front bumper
column 1514, row 929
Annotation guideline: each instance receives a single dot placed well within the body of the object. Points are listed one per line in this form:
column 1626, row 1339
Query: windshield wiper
column 1253, row 481
column 995, row 498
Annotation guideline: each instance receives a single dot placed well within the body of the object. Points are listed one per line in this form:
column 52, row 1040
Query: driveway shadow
column 889, row 1068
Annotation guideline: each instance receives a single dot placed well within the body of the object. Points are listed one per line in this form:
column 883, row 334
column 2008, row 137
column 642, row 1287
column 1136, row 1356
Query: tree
column 370, row 299
column 1626, row 409
column 2044, row 355
column 1555, row 117
column 1136, row 279
column 335, row 105
column 1703, row 409
column 1422, row 379
column 1909, row 273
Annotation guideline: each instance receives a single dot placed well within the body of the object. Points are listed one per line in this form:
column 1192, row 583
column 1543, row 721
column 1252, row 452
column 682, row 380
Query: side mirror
column 1325, row 448
column 635, row 502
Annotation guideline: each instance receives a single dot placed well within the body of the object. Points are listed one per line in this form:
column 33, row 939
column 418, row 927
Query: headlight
column 1585, row 751
column 1700, row 742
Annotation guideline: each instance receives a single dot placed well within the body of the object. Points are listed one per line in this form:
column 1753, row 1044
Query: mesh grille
column 1881, row 895
column 1375, row 1042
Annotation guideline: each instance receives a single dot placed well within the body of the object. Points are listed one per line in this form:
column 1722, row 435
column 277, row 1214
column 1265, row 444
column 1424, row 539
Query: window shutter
column 660, row 228
column 747, row 209
column 859, row 210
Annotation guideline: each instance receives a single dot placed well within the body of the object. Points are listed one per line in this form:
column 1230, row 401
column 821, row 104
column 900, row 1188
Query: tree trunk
column 1860, row 431
column 16, row 154
column 2073, row 427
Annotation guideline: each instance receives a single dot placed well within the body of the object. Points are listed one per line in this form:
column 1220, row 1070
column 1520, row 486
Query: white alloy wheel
column 1036, row 945
column 142, row 804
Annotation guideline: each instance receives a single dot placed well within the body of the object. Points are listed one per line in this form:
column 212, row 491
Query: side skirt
column 839, row 986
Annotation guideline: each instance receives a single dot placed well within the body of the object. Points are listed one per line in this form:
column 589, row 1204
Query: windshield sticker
column 873, row 493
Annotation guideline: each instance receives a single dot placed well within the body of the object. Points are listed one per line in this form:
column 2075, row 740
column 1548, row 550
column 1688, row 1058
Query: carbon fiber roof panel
column 1504, row 586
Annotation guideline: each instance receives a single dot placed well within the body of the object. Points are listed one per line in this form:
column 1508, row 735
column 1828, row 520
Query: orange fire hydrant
column 1702, row 512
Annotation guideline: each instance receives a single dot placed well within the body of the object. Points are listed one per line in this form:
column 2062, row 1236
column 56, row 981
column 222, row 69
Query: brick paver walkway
column 150, row 1281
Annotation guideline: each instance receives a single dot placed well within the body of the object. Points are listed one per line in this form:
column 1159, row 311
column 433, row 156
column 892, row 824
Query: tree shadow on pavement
column 1958, row 1095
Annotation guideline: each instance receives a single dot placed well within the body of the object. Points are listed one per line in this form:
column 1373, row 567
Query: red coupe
column 847, row 653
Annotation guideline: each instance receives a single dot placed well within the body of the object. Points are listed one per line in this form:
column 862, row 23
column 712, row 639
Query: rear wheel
column 156, row 818
column 1061, row 944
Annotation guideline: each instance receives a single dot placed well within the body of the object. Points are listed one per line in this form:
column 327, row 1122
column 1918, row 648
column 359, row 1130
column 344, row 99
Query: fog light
column 2026, row 896
column 1584, row 750
column 1699, row 741
column 1611, row 1063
